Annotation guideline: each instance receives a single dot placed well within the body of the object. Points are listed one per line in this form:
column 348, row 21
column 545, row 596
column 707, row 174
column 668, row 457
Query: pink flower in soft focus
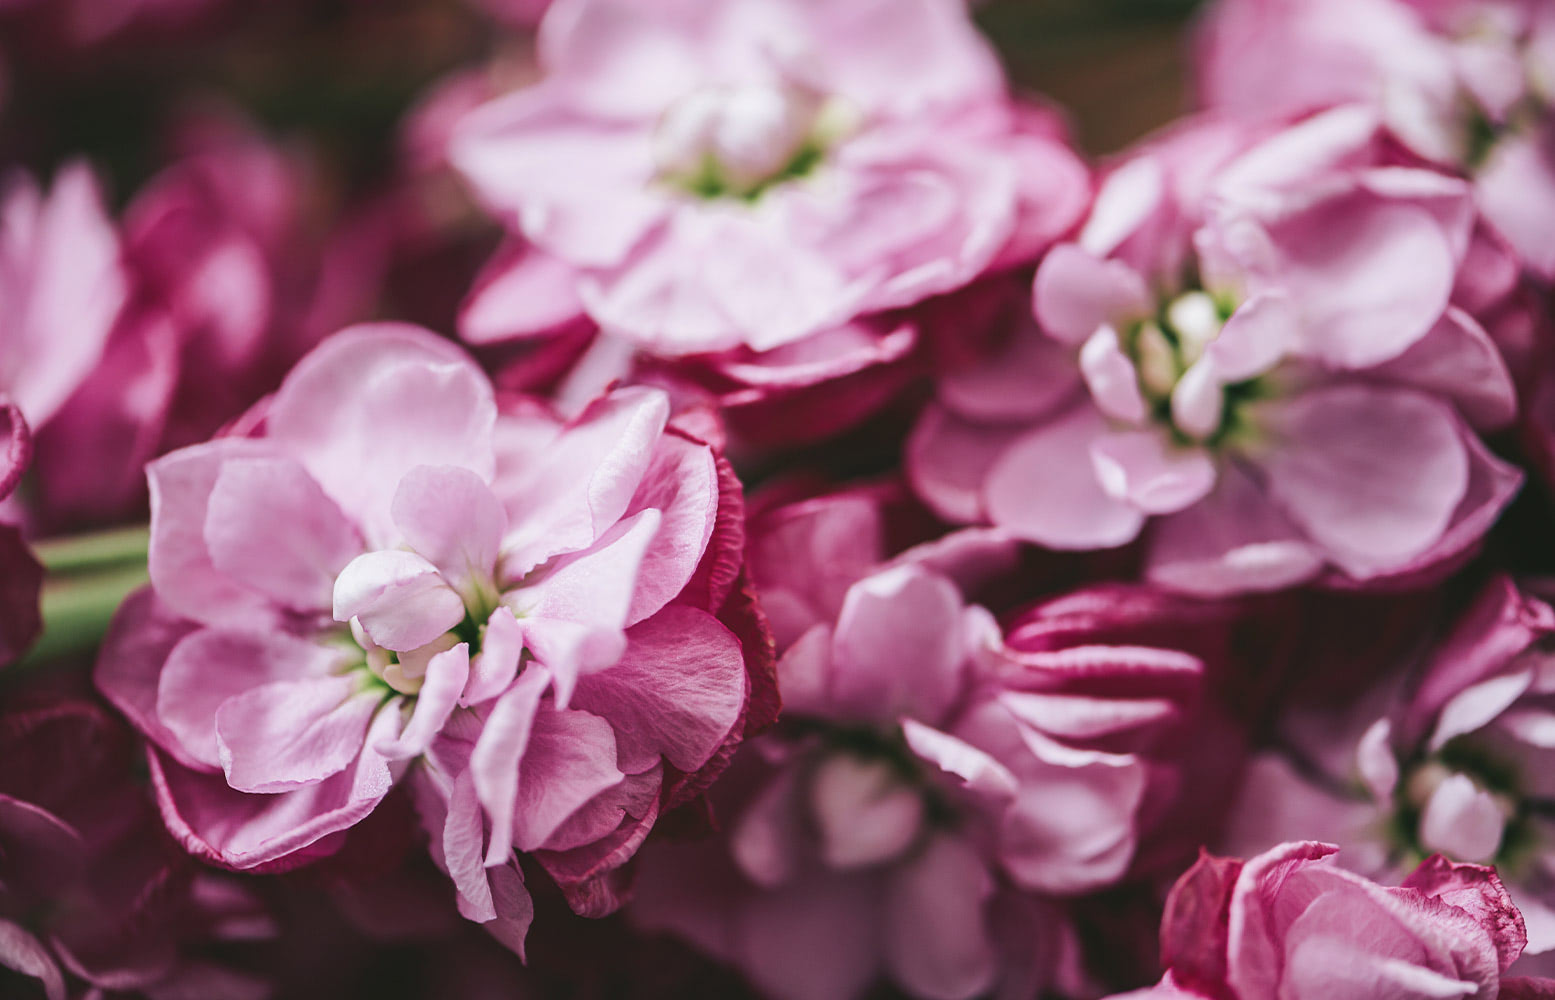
column 396, row 580
column 934, row 777
column 93, row 895
column 1458, row 763
column 1290, row 925
column 1464, row 83
column 62, row 286
column 229, row 285
column 1254, row 344
column 746, row 177
column 21, row 576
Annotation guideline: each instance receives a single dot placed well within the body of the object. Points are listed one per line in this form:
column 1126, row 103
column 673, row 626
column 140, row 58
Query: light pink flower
column 1456, row 762
column 394, row 580
column 1254, row 344
column 1289, row 925
column 743, row 178
column 1464, row 83
column 934, row 777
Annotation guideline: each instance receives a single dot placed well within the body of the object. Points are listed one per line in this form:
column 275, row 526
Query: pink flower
column 1288, row 925
column 746, row 180
column 1457, row 763
column 21, row 576
column 934, row 777
column 62, row 286
column 1254, row 343
column 1464, row 83
column 395, row 580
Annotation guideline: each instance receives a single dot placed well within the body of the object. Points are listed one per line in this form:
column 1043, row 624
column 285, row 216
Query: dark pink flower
column 1289, row 925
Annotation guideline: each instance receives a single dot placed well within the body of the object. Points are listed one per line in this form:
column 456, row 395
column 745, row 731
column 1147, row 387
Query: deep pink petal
column 676, row 693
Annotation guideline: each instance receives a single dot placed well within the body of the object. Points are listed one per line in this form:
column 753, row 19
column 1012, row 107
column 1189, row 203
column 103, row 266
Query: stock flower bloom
column 1467, row 84
column 1458, row 763
column 1289, row 925
column 933, row 778
column 1253, row 343
column 392, row 580
column 746, row 176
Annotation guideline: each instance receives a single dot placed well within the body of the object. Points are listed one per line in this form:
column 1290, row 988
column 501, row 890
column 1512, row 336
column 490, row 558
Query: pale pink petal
column 22, row 953
column 497, row 663
column 897, row 647
column 570, row 650
column 373, row 402
column 438, row 697
column 1462, row 820
column 864, row 813
column 832, row 920
column 1077, row 292
column 1151, row 473
column 1026, row 379
column 949, row 458
column 401, row 599
column 279, row 736
column 1459, row 361
column 1372, row 276
column 243, row 831
column 937, row 940
column 770, row 839
column 1231, row 541
column 304, row 541
column 212, row 665
column 569, row 760
column 677, row 691
column 1039, row 488
column 449, row 516
column 1515, row 190
column 681, row 482
column 974, row 769
column 179, row 560
column 594, row 587
column 1371, row 474
column 495, row 760
column 581, row 484
column 522, row 292
column 1111, row 377
column 1261, row 331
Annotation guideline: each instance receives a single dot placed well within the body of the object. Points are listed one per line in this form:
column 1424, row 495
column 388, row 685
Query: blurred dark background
column 341, row 73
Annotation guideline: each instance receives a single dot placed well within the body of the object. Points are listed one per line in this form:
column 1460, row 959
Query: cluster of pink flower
column 839, row 534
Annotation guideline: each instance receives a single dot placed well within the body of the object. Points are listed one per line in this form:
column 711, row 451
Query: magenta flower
column 934, row 777
column 1467, row 84
column 1457, row 763
column 1254, row 343
column 748, row 179
column 395, row 581
column 94, row 898
column 1288, row 925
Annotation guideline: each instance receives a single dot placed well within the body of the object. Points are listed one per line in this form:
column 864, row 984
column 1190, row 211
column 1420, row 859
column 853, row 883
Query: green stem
column 95, row 551
column 89, row 576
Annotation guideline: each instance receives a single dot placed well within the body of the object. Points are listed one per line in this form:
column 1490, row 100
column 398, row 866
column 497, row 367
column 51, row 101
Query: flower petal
column 400, row 599
column 276, row 737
